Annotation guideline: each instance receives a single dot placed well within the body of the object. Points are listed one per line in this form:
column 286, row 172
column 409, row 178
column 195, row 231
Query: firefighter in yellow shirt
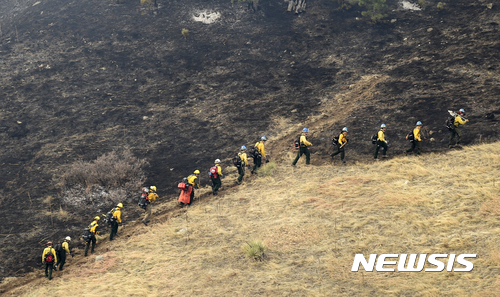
column 243, row 163
column 49, row 258
column 194, row 181
column 415, row 143
column 115, row 219
column 459, row 120
column 303, row 148
column 340, row 145
column 381, row 142
column 215, row 176
column 93, row 232
column 152, row 196
column 261, row 154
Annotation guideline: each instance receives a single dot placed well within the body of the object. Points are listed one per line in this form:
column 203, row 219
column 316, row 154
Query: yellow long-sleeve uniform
column 152, row 197
column 117, row 214
column 416, row 134
column 304, row 142
column 342, row 139
column 260, row 146
column 46, row 251
column 93, row 227
column 65, row 247
column 381, row 135
column 243, row 157
column 459, row 121
column 193, row 180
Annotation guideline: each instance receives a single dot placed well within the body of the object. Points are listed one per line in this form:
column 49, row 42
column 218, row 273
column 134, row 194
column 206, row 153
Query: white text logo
column 400, row 261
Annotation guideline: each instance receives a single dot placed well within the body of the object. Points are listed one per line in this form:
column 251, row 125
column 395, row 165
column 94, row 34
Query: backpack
column 184, row 185
column 450, row 123
column 296, row 143
column 237, row 161
column 213, row 171
column 254, row 152
column 87, row 236
column 374, row 139
column 49, row 257
column 410, row 136
column 58, row 247
column 335, row 140
column 143, row 201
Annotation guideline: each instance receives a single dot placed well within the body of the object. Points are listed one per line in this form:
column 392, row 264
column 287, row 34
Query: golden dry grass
column 313, row 220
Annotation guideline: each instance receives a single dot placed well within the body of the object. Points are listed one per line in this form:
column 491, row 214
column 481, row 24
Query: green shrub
column 266, row 169
column 254, row 249
column 422, row 3
column 185, row 32
column 375, row 9
column 441, row 5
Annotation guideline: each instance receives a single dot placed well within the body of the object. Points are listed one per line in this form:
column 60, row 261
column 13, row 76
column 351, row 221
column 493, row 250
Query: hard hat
column 419, row 123
column 263, row 138
column 243, row 148
column 68, row 238
column 153, row 188
column 217, row 161
column 120, row 205
column 145, row 189
column 305, row 130
column 382, row 126
column 49, row 243
column 196, row 171
column 461, row 110
column 344, row 129
column 97, row 218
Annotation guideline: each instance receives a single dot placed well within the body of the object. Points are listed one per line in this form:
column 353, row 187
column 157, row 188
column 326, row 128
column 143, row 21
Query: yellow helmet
column 153, row 188
column 97, row 218
column 120, row 205
column 196, row 171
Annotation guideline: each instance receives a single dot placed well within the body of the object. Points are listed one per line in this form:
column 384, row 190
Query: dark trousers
column 241, row 172
column 48, row 270
column 191, row 197
column 216, row 184
column 61, row 259
column 341, row 151
column 379, row 145
column 93, row 240
column 414, row 144
column 256, row 163
column 455, row 132
column 114, row 229
column 303, row 151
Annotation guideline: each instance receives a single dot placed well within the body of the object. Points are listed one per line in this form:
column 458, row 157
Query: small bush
column 375, row 9
column 267, row 169
column 109, row 170
column 422, row 3
column 254, row 249
column 441, row 5
column 185, row 32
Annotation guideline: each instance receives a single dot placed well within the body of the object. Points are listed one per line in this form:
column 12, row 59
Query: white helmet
column 68, row 238
column 217, row 161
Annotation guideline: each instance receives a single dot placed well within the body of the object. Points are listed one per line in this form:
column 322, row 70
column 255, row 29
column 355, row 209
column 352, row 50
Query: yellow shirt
column 342, row 139
column 243, row 157
column 65, row 247
column 152, row 196
column 381, row 135
column 193, row 180
column 459, row 121
column 93, row 227
column 416, row 134
column 304, row 142
column 260, row 146
column 117, row 214
column 46, row 251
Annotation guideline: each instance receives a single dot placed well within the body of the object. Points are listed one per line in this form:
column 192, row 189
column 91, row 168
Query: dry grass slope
column 312, row 219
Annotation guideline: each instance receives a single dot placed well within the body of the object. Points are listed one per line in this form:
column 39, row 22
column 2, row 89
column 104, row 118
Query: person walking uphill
column 194, row 181
column 93, row 232
column 152, row 196
column 261, row 153
column 381, row 142
column 243, row 162
column 61, row 253
column 454, row 131
column 115, row 219
column 415, row 139
column 49, row 258
column 215, row 175
column 303, row 148
column 340, row 145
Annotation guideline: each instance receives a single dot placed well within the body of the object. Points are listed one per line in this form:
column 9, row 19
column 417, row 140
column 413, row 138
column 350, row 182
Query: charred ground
column 82, row 78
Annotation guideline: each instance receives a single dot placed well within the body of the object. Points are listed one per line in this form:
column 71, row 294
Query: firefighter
column 93, row 227
column 194, row 181
column 381, row 142
column 49, row 258
column 61, row 256
column 303, row 148
column 215, row 176
column 459, row 120
column 261, row 154
column 415, row 143
column 115, row 219
column 243, row 163
column 340, row 145
column 152, row 196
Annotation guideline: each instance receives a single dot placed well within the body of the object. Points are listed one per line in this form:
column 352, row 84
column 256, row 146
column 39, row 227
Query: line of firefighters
column 54, row 258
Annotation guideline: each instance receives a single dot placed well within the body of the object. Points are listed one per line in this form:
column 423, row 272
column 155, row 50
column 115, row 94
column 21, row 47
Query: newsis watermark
column 440, row 261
